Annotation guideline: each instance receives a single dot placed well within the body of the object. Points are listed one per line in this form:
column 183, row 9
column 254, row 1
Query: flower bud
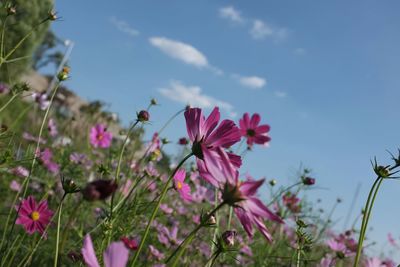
column 63, row 74
column 52, row 16
column 153, row 102
column 130, row 243
column 75, row 256
column 99, row 190
column 229, row 237
column 272, row 182
column 308, row 181
column 143, row 116
column 11, row 10
column 382, row 171
column 165, row 141
column 69, row 186
column 183, row 141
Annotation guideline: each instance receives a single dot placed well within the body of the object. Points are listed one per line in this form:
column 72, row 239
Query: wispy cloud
column 230, row 13
column 124, row 27
column 299, row 51
column 194, row 96
column 252, row 82
column 280, row 94
column 261, row 30
column 180, row 51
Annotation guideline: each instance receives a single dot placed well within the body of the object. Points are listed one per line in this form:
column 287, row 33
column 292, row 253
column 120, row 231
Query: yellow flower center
column 35, row 215
column 179, row 185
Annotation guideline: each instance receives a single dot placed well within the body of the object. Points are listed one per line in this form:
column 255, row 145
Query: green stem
column 367, row 209
column 3, row 30
column 25, row 261
column 25, row 184
column 118, row 170
column 230, row 217
column 58, row 231
column 181, row 248
column 8, row 102
column 155, row 210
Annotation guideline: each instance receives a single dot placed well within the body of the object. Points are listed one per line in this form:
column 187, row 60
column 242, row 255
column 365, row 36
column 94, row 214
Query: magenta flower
column 156, row 253
column 206, row 137
column 180, row 185
column 254, row 132
column 46, row 158
column 168, row 237
column 130, row 243
column 116, row 255
column 242, row 196
column 52, row 128
column 100, row 137
column 15, row 186
column 34, row 217
column 42, row 99
column 20, row 171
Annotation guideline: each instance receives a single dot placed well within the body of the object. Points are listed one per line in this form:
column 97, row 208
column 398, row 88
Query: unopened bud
column 165, row 141
column 272, row 182
column 11, row 10
column 52, row 16
column 153, row 101
column 63, row 74
column 229, row 237
column 382, row 171
column 99, row 190
column 183, row 141
column 69, row 186
column 308, row 181
column 143, row 116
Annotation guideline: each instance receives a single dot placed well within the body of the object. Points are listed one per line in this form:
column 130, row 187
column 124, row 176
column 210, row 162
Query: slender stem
column 25, row 261
column 58, row 231
column 283, row 191
column 25, row 184
column 181, row 248
column 216, row 219
column 3, row 30
column 8, row 102
column 9, row 54
column 118, row 170
column 170, row 120
column 214, row 259
column 367, row 210
column 155, row 210
column 230, row 217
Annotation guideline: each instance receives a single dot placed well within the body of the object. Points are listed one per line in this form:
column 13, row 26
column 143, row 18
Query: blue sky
column 323, row 74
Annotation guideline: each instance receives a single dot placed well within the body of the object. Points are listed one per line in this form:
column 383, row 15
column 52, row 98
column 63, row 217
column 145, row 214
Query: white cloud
column 261, row 30
column 299, row 51
column 230, row 13
column 124, row 27
column 180, row 51
column 280, row 94
column 252, row 82
column 194, row 96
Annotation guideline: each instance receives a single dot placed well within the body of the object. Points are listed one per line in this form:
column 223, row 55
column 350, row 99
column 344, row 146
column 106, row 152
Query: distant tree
column 47, row 51
column 29, row 13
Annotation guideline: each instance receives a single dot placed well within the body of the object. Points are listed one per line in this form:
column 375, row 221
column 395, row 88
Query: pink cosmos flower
column 52, row 128
column 33, row 216
column 207, row 139
column 15, row 186
column 254, row 132
column 156, row 253
column 100, row 137
column 154, row 149
column 180, row 185
column 42, row 99
column 20, row 171
column 168, row 237
column 373, row 262
column 27, row 136
column 166, row 209
column 392, row 241
column 336, row 245
column 45, row 158
column 116, row 255
column 242, row 196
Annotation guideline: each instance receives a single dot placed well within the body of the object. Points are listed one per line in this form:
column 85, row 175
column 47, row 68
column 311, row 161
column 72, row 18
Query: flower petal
column 116, row 255
column 88, row 253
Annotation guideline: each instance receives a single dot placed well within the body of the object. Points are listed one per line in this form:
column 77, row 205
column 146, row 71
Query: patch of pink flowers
column 252, row 131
